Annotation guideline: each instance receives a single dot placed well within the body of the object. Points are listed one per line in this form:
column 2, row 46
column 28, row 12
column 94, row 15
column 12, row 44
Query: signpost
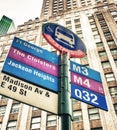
column 36, row 73
column 46, row 76
column 87, row 86
column 69, row 45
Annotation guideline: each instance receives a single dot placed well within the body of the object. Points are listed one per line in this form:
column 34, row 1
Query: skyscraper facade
column 6, row 25
column 95, row 22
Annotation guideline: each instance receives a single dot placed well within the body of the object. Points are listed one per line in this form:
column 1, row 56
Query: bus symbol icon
column 64, row 36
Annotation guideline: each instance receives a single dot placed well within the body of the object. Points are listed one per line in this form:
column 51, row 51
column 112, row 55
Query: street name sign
column 28, row 93
column 86, row 86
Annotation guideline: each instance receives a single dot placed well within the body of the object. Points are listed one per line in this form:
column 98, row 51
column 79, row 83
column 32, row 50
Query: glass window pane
column 102, row 54
column 2, row 110
column 106, row 64
column 15, row 108
column 96, row 128
column 115, row 106
column 93, row 113
column 77, row 115
column 110, row 77
column 51, row 120
column 11, row 125
column 35, row 123
column 116, row 62
column 113, row 91
column 0, row 125
column 113, row 52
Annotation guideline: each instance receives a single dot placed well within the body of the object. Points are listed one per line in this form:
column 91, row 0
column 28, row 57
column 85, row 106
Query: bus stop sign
column 64, row 40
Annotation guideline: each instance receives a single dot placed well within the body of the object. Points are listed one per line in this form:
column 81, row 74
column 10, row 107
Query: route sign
column 64, row 40
column 35, row 50
column 28, row 93
column 30, row 75
column 89, row 97
column 86, row 86
column 85, row 71
column 87, row 83
column 28, row 62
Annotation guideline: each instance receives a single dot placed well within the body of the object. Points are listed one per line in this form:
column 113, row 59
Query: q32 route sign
column 86, row 86
column 34, row 65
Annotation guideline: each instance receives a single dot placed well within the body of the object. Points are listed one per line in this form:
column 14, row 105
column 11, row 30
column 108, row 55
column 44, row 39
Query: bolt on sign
column 36, row 73
column 64, row 40
column 86, row 86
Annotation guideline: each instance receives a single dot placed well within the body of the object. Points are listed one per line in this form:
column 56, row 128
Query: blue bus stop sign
column 64, row 40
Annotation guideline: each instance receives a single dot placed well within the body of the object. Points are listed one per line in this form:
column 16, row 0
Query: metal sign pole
column 65, row 103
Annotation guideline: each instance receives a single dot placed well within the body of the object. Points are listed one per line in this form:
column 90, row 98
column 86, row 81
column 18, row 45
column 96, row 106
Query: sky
column 20, row 11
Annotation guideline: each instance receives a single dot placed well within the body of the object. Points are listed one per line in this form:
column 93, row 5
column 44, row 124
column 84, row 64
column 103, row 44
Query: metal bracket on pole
column 65, row 102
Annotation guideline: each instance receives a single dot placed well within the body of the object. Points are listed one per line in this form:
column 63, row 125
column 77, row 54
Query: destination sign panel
column 28, row 93
column 30, row 74
column 35, row 50
column 87, row 83
column 86, row 86
column 89, row 97
column 33, row 61
column 77, row 68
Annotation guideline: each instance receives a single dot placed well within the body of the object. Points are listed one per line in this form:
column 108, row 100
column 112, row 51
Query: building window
column 99, row 44
column 116, row 62
column 35, row 123
column 115, row 107
column 111, row 42
column 106, row 64
column 110, row 77
column 100, row 128
column 2, row 110
column 15, row 108
column 77, row 115
column 11, row 125
column 93, row 113
column 103, row 53
column 0, row 125
column 113, row 91
column 68, row 22
column 51, row 120
column 114, row 52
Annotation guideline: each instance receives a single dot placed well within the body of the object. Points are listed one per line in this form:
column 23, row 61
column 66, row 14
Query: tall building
column 6, row 25
column 95, row 22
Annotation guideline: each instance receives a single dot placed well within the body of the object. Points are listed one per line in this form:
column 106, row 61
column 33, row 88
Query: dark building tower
column 95, row 22
column 6, row 25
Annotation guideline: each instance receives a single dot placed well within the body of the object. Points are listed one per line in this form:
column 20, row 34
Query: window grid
column 93, row 113
column 35, row 123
